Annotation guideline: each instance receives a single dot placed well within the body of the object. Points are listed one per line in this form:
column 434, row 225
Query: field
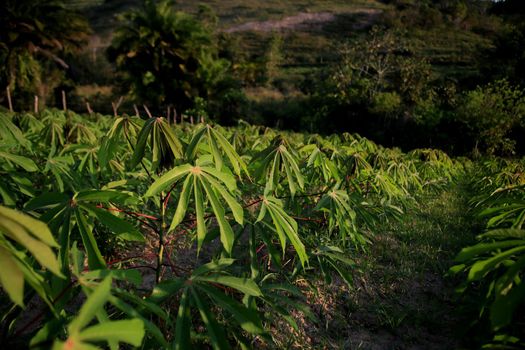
column 262, row 175
column 163, row 233
column 310, row 36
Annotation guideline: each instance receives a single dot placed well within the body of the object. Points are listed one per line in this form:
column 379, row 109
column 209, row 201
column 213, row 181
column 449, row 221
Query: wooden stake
column 168, row 110
column 64, row 102
column 191, row 120
column 88, row 107
column 174, row 116
column 136, row 110
column 36, row 104
column 9, row 102
column 202, row 119
column 117, row 105
column 147, row 111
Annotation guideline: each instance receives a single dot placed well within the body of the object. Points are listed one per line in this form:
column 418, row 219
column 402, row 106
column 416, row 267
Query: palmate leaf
column 246, row 318
column 201, row 288
column 341, row 215
column 11, row 135
column 330, row 257
column 33, row 235
column 214, row 330
column 165, row 145
column 24, row 162
column 285, row 226
column 149, row 326
column 80, row 336
column 53, row 133
column 201, row 180
column 82, row 206
column 501, row 263
column 123, row 130
column 218, row 145
column 276, row 160
column 320, row 163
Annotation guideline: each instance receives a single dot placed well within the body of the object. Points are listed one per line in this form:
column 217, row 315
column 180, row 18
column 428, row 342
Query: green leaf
column 183, row 323
column 216, row 333
column 247, row 318
column 37, row 228
column 510, row 277
column 285, row 226
column 504, row 234
column 90, row 308
column 24, row 162
column 171, row 139
column 124, row 331
column 122, row 228
column 165, row 289
column 244, row 285
column 482, row 267
column 167, row 179
column 192, row 146
column 131, row 312
column 11, row 277
column 95, row 260
column 236, row 161
column 504, row 307
column 45, row 200
column 39, row 249
column 182, row 206
column 237, row 210
column 216, row 265
column 470, row 252
column 140, row 146
column 226, row 231
column 101, row 196
column 346, row 276
column 199, row 212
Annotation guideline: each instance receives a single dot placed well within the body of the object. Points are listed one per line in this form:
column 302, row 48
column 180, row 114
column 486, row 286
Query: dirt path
column 302, row 20
column 401, row 298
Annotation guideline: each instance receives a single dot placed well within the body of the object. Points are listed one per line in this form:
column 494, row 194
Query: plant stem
column 160, row 253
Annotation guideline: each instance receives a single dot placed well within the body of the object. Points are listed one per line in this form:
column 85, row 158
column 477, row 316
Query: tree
column 166, row 57
column 492, row 112
column 35, row 36
column 382, row 72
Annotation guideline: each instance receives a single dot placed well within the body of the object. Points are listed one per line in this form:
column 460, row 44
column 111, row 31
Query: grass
column 401, row 298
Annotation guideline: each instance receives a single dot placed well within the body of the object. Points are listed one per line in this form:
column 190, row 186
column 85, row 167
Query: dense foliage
column 495, row 267
column 261, row 208
column 387, row 70
column 167, row 57
column 35, row 37
column 175, row 232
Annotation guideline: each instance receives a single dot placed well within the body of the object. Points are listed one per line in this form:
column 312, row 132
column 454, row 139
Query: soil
column 304, row 20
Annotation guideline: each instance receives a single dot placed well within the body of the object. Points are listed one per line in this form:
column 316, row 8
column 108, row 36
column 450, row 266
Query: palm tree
column 34, row 37
column 166, row 56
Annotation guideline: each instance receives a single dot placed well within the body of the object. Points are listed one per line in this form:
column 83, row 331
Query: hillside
column 308, row 36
